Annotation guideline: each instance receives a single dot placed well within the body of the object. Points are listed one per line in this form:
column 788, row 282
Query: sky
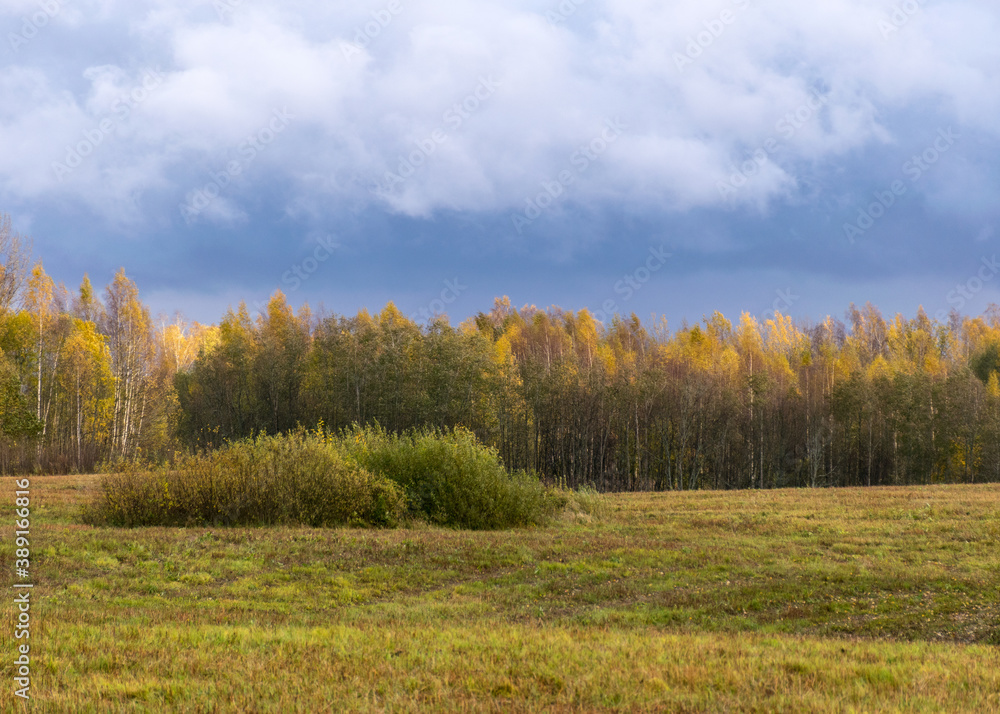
column 661, row 158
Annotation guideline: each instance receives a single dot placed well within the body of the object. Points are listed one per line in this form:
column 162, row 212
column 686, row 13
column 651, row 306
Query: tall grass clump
column 298, row 478
column 451, row 479
column 586, row 503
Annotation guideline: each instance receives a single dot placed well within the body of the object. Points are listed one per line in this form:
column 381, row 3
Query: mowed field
column 881, row 599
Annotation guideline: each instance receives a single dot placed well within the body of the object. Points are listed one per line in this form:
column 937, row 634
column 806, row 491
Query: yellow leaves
column 514, row 334
column 392, row 317
column 729, row 362
column 718, row 327
column 934, row 365
column 692, row 346
column 783, row 337
column 365, row 319
column 625, row 359
column 279, row 316
column 781, row 369
column 86, row 346
column 38, row 299
column 468, row 327
column 181, row 344
column 993, row 385
column 748, row 338
column 206, row 337
column 913, row 347
column 879, row 369
column 586, row 328
column 503, row 355
column 897, row 334
column 606, row 358
column 847, row 361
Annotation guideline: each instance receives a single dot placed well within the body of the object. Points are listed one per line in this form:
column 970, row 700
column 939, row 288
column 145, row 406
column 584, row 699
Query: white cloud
column 357, row 112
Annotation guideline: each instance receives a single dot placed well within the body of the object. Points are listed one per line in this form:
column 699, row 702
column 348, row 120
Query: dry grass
column 819, row 600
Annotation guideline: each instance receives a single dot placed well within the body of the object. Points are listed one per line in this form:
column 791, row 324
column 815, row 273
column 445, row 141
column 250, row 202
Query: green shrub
column 298, row 478
column 363, row 476
column 451, row 479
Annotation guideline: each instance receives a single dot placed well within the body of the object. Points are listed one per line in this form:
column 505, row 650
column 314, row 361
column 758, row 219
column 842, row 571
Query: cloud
column 703, row 87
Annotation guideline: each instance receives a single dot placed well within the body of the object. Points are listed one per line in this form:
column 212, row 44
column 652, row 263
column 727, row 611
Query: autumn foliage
column 627, row 406
column 87, row 381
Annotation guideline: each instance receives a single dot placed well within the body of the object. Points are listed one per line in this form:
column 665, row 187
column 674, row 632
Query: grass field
column 801, row 601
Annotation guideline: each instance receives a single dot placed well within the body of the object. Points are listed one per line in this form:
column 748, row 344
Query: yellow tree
column 38, row 303
column 181, row 343
column 127, row 326
column 282, row 341
column 86, row 383
column 751, row 348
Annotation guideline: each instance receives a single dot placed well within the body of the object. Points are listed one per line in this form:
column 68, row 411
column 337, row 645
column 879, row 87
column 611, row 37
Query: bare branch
column 15, row 257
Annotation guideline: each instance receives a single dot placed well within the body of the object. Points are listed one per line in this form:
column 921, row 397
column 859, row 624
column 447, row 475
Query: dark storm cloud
column 537, row 149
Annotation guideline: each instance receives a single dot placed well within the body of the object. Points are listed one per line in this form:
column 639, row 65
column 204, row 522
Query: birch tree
column 127, row 325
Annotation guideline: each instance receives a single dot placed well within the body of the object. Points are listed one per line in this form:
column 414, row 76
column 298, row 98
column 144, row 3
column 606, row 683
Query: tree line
column 88, row 379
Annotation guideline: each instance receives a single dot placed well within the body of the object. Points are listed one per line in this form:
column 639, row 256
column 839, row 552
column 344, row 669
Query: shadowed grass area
column 819, row 600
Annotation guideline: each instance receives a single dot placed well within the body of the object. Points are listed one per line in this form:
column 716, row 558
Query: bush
column 363, row 476
column 298, row 478
column 451, row 479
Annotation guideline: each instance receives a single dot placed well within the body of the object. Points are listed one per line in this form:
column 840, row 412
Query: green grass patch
column 796, row 600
